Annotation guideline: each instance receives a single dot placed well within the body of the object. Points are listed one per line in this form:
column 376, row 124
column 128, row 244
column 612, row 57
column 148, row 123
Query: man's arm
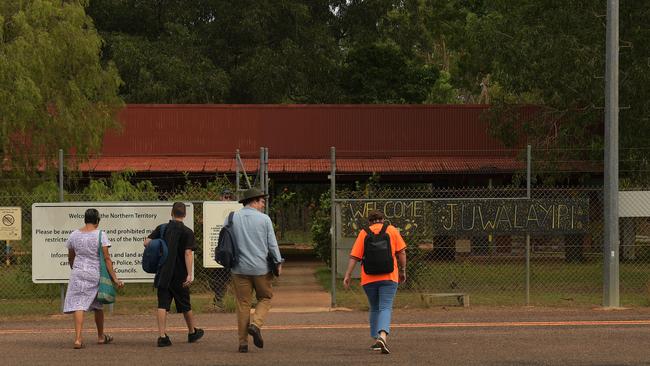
column 188, row 244
column 189, row 260
column 273, row 244
column 155, row 234
column 348, row 273
column 355, row 256
column 401, row 259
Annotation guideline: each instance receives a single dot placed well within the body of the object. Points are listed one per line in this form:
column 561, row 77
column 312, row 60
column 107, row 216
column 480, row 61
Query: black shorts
column 180, row 294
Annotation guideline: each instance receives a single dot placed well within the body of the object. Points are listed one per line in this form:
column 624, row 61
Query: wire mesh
column 562, row 266
column 565, row 268
column 19, row 296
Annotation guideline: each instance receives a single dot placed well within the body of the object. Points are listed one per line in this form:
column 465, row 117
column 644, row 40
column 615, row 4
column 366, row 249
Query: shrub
column 320, row 229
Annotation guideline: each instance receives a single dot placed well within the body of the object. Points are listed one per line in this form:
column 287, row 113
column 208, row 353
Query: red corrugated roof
column 368, row 138
column 195, row 164
column 304, row 131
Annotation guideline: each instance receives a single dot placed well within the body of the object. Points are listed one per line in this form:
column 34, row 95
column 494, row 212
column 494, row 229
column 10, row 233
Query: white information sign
column 215, row 214
column 126, row 224
column 10, row 227
column 634, row 204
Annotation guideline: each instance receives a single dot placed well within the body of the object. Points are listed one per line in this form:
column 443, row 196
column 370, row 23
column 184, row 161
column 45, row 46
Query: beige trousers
column 244, row 286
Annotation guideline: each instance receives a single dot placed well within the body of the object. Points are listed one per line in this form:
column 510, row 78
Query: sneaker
column 193, row 337
column 164, row 341
column 219, row 308
column 243, row 348
column 383, row 346
column 254, row 331
column 375, row 346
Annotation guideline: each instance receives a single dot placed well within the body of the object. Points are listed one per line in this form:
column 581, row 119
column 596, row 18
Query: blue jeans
column 380, row 298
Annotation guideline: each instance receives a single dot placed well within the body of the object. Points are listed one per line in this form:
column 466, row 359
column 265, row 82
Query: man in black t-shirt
column 174, row 278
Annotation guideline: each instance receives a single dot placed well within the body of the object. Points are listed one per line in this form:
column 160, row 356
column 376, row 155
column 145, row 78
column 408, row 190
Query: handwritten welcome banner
column 473, row 217
column 556, row 216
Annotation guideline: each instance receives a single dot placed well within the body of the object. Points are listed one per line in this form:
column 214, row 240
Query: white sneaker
column 383, row 346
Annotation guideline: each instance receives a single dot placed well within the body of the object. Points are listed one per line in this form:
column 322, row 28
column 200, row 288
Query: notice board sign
column 215, row 214
column 126, row 225
column 10, row 223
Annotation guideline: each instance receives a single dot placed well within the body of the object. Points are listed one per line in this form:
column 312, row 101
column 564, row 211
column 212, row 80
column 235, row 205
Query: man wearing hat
column 256, row 241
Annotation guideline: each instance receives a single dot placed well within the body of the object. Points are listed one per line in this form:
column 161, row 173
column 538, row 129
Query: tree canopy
column 54, row 90
column 551, row 53
column 295, row 51
column 56, row 71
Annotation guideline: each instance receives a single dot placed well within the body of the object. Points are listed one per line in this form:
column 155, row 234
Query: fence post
column 265, row 176
column 60, row 175
column 528, row 196
column 237, row 173
column 260, row 171
column 611, row 243
column 61, row 198
column 333, row 220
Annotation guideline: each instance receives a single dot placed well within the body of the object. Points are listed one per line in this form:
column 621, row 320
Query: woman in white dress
column 83, row 258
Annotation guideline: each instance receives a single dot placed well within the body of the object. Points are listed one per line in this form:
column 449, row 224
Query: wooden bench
column 462, row 298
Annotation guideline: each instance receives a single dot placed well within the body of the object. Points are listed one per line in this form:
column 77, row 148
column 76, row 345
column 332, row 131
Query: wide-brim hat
column 250, row 194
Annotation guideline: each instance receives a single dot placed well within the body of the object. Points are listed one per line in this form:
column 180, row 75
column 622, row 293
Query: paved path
column 474, row 336
column 302, row 330
column 297, row 289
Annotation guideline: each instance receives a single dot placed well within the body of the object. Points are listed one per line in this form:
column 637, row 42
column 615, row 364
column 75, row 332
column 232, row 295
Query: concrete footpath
column 297, row 289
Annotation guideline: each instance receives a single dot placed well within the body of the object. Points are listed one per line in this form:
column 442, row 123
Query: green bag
column 106, row 292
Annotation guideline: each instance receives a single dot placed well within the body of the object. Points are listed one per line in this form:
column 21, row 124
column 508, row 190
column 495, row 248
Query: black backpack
column 226, row 252
column 377, row 252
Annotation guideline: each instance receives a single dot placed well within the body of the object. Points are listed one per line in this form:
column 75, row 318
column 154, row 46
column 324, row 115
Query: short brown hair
column 178, row 210
column 375, row 216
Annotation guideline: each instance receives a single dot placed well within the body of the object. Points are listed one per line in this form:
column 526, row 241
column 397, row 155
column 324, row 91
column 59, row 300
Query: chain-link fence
column 497, row 247
column 493, row 245
column 20, row 296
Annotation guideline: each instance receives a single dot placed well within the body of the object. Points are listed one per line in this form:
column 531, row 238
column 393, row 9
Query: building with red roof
column 449, row 143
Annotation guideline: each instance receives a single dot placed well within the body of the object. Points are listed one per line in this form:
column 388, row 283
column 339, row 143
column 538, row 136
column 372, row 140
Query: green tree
column 321, row 227
column 222, row 50
column 120, row 188
column 282, row 203
column 552, row 53
column 276, row 52
column 159, row 51
column 380, row 73
column 54, row 91
column 398, row 51
column 168, row 69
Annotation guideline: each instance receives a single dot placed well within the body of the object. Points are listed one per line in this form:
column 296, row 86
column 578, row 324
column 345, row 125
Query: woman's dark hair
column 178, row 210
column 91, row 216
column 375, row 216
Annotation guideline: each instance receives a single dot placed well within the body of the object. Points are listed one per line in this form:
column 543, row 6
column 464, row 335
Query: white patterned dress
column 84, row 277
